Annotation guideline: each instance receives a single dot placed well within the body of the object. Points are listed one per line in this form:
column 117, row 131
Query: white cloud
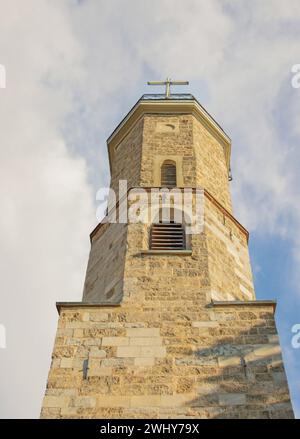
column 46, row 203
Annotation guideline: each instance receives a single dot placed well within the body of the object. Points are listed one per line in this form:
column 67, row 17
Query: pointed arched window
column 168, row 174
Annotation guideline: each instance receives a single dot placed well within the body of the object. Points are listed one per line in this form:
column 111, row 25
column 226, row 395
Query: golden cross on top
column 168, row 82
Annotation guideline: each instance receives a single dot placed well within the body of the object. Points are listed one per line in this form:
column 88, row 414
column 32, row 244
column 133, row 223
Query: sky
column 73, row 70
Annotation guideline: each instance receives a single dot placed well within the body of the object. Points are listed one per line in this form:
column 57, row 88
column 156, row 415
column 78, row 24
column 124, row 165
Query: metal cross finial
column 168, row 82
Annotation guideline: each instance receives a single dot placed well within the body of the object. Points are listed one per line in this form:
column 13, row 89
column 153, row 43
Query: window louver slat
column 168, row 174
column 167, row 237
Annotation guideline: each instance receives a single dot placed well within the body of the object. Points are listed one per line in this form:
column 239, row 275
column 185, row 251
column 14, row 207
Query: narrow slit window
column 168, row 174
column 167, row 236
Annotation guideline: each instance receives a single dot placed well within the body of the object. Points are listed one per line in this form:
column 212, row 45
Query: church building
column 169, row 325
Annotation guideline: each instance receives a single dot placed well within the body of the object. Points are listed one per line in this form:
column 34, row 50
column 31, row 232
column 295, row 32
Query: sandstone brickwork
column 104, row 277
column 175, row 334
column 219, row 260
column 173, row 357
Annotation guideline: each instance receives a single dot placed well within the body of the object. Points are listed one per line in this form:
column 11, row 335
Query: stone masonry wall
column 163, row 276
column 167, row 345
column 219, row 261
column 127, row 159
column 228, row 256
column 201, row 155
column 167, row 350
column 159, row 141
column 105, row 270
column 211, row 169
column 172, row 357
column 203, row 158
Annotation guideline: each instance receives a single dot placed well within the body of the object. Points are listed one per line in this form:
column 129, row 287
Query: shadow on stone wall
column 244, row 375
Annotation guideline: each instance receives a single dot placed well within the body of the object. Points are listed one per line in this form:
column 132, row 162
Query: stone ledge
column 167, row 252
column 194, row 189
column 60, row 305
column 225, row 303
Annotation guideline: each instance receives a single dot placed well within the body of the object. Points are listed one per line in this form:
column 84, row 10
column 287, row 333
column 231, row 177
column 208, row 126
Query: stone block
column 262, row 351
column 153, row 351
column 129, row 351
column 208, row 324
column 145, row 401
column 56, row 401
column 177, row 400
column 98, row 317
column 113, row 401
column 279, row 376
column 145, row 361
column 78, row 333
column 143, row 332
column 100, row 371
column 66, row 362
column 273, row 338
column 69, row 411
column 115, row 341
column 85, row 316
column 96, row 352
column 84, row 401
column 229, row 361
column 145, row 341
column 232, row 399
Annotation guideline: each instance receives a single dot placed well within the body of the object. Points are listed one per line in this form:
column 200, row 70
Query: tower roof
column 175, row 103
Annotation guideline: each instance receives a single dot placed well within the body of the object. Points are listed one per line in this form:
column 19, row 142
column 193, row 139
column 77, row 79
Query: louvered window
column 168, row 174
column 167, row 236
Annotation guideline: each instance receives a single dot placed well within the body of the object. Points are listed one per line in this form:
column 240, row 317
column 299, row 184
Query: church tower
column 168, row 326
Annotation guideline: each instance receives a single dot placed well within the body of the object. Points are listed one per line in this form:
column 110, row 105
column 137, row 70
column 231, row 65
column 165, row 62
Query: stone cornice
column 227, row 303
column 226, row 213
column 213, row 303
column 167, row 252
column 61, row 305
column 206, row 194
column 168, row 107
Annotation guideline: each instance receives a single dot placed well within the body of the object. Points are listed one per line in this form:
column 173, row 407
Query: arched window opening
column 168, row 174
